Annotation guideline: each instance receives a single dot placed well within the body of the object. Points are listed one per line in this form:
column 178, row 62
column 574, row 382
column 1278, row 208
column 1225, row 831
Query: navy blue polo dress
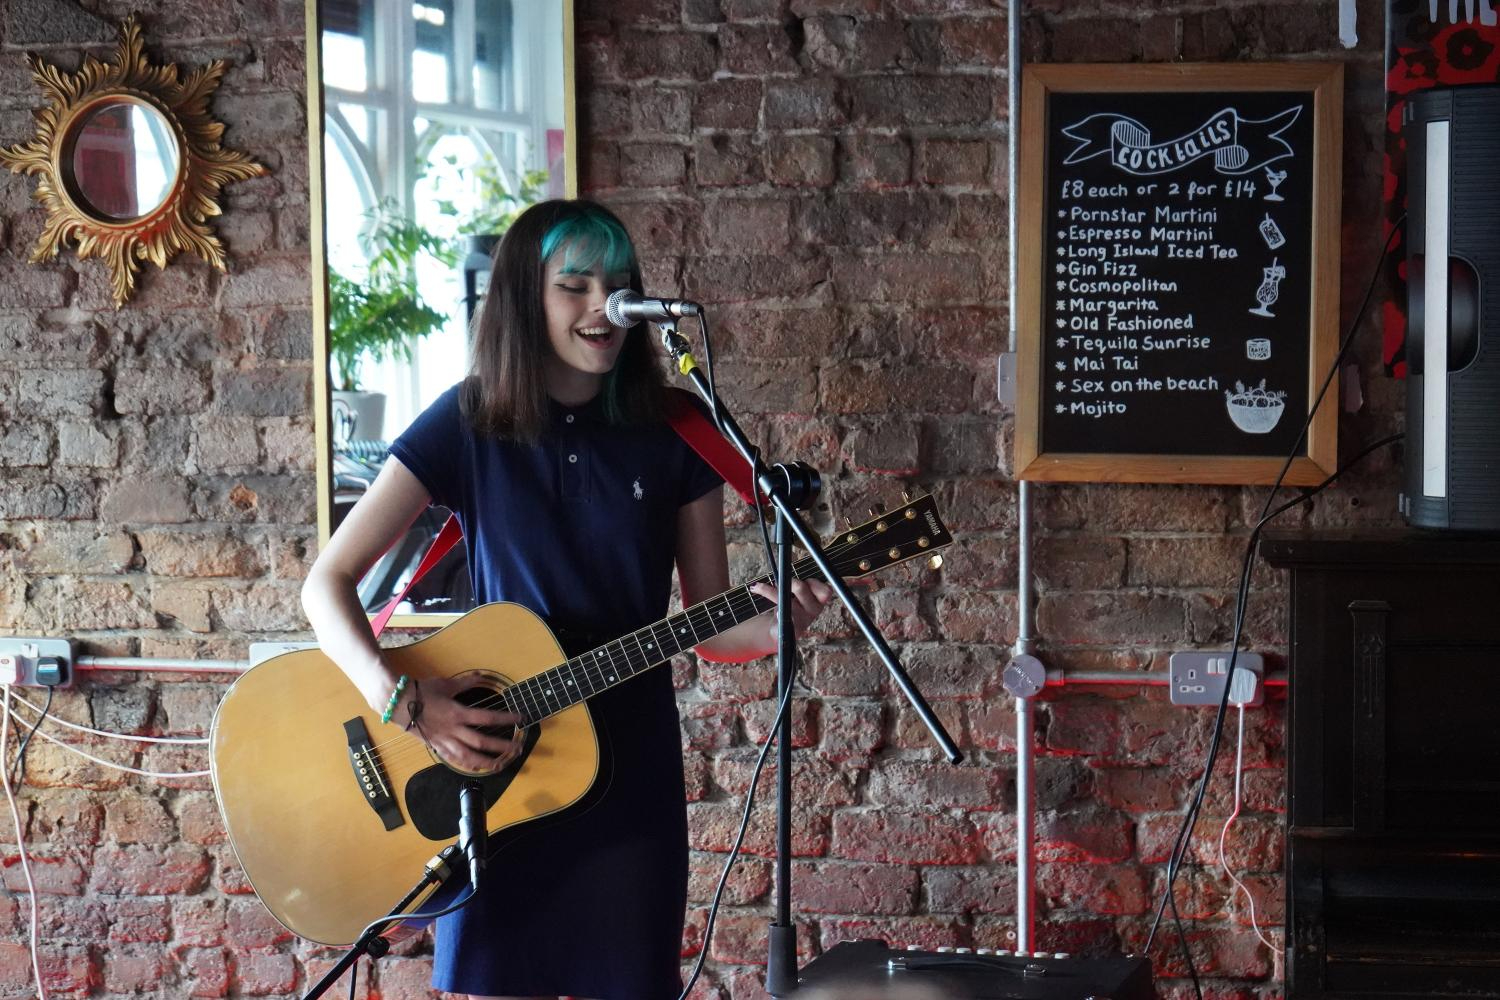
column 581, row 529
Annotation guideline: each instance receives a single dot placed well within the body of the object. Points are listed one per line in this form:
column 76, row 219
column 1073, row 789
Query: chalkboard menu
column 1179, row 272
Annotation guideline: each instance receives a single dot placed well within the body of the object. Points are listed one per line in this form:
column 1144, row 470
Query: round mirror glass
column 124, row 160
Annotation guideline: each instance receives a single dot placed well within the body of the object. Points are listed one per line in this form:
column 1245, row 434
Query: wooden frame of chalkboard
column 1178, row 272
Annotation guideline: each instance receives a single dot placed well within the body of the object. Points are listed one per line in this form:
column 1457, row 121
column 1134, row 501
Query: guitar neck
column 603, row 667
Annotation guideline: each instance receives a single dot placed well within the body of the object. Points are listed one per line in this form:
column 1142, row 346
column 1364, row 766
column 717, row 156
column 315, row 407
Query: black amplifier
column 871, row 970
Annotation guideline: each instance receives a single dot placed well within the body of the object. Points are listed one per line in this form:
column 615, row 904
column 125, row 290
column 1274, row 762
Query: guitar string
column 596, row 675
column 404, row 744
column 737, row 601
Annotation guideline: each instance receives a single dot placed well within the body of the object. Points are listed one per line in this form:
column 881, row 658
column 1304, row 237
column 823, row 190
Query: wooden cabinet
column 1393, row 784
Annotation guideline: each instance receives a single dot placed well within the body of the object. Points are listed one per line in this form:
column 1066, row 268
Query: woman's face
column 584, row 344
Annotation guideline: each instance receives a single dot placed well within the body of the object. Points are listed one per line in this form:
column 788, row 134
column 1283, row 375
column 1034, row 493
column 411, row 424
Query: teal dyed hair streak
column 589, row 240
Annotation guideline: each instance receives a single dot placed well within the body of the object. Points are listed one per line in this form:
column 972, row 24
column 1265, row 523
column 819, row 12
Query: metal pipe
column 1025, row 634
column 1147, row 677
column 143, row 664
column 1025, row 824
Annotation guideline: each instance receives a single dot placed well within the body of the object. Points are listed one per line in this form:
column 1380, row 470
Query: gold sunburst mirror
column 128, row 161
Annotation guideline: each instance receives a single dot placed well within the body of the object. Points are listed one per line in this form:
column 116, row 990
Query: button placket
column 573, row 461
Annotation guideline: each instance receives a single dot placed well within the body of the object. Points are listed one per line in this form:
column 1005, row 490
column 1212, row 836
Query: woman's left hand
column 809, row 597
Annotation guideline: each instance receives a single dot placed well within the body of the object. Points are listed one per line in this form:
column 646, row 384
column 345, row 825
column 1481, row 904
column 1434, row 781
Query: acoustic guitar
column 333, row 813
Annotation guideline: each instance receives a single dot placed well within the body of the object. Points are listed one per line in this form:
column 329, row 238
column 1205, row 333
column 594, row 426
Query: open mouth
column 597, row 335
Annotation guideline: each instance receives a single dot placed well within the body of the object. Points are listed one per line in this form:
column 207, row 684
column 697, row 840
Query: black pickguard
column 431, row 795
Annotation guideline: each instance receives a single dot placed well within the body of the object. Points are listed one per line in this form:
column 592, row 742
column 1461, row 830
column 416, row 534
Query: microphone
column 472, row 829
column 628, row 307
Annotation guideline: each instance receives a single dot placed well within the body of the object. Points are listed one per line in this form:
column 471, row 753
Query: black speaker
column 871, row 970
column 1452, row 477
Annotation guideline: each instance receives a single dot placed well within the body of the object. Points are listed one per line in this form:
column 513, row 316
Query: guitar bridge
column 374, row 786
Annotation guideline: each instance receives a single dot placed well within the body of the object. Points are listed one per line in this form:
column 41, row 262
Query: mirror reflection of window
column 349, row 197
column 457, row 71
column 433, row 57
column 435, row 113
column 494, row 72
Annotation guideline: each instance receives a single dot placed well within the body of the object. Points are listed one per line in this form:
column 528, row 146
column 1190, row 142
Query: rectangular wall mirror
column 432, row 123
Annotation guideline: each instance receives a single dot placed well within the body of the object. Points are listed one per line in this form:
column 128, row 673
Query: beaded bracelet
column 390, row 706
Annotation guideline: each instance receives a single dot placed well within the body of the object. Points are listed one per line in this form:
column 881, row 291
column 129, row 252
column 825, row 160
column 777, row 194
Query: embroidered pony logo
column 636, row 491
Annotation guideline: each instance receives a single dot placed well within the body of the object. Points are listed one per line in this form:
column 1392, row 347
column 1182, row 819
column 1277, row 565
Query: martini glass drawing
column 1274, row 178
column 1269, row 290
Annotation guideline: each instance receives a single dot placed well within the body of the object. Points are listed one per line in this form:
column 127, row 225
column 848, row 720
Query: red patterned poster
column 1429, row 43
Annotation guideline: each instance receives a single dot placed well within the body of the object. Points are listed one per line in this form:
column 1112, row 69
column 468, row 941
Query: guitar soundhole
column 487, row 691
column 486, row 697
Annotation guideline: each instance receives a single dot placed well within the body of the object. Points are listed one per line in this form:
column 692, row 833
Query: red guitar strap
column 697, row 430
column 689, row 423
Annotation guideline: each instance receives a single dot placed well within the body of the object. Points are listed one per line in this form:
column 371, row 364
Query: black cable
column 422, row 915
column 20, row 761
column 739, row 840
column 1190, row 819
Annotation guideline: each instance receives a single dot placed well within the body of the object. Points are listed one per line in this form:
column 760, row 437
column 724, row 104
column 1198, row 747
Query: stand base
column 872, row 971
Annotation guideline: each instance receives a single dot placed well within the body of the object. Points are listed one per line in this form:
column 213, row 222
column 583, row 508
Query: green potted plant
column 378, row 315
column 488, row 209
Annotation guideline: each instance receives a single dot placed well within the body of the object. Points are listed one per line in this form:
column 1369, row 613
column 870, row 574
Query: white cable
column 15, row 814
column 1239, row 768
column 181, row 740
column 10, row 713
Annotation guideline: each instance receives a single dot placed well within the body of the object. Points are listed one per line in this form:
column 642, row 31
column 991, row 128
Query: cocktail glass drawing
column 1274, row 178
column 1269, row 289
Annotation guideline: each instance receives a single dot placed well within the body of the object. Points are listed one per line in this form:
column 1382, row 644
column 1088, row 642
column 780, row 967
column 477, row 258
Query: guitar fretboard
column 601, row 668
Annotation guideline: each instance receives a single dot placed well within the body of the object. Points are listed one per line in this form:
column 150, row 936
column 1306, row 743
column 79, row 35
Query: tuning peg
column 877, row 510
column 848, row 524
column 936, row 562
column 905, row 497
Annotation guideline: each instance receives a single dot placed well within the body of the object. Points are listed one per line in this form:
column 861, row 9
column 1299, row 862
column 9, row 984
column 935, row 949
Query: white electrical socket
column 23, row 659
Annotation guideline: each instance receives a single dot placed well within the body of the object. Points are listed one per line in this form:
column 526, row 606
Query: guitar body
column 322, row 857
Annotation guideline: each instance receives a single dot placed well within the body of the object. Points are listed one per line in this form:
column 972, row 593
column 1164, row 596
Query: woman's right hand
column 454, row 730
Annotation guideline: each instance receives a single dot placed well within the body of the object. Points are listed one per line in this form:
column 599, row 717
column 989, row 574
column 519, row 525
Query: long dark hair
column 505, row 394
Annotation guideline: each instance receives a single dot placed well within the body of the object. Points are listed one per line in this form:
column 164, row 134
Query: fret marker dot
column 549, row 692
column 682, row 631
column 650, row 645
column 611, row 677
column 569, row 683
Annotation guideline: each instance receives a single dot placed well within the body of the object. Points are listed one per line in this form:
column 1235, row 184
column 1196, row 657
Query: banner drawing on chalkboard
column 1238, row 145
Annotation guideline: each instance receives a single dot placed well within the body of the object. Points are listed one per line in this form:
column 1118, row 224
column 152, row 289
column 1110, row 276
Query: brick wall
column 830, row 176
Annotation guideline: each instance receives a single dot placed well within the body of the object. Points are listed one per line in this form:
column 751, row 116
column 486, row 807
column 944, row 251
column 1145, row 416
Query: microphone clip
column 676, row 345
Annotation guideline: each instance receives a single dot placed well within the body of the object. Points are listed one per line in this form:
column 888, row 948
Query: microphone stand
column 790, row 488
column 370, row 942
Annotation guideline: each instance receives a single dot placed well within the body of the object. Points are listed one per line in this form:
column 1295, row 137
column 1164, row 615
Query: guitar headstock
column 910, row 531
